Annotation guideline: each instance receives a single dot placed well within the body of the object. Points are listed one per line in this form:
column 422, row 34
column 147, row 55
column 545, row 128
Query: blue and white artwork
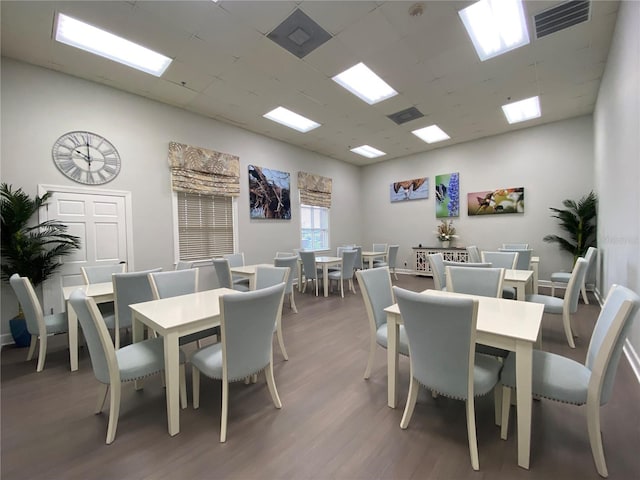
column 415, row 189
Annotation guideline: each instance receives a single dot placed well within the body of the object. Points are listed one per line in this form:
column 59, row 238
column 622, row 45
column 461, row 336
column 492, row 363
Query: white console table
column 451, row 254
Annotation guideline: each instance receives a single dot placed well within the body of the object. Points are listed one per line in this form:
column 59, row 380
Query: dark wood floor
column 333, row 424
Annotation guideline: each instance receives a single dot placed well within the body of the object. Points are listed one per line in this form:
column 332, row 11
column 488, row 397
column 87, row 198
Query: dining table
column 521, row 280
column 172, row 318
column 370, row 256
column 501, row 323
column 249, row 271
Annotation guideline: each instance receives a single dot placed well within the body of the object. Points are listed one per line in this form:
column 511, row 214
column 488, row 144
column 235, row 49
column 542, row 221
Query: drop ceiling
column 225, row 66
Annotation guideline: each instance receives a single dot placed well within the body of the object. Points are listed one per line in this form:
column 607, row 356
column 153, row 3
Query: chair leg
column 342, row 287
column 471, row 433
column 114, row 411
column 566, row 322
column 32, row 347
column 117, row 338
column 316, row 282
column 506, row 408
column 195, row 380
column 414, row 386
column 281, row 339
column 271, row 384
column 372, row 353
column 102, row 397
column 42, row 353
column 292, row 302
column 497, row 404
column 595, row 437
column 584, row 294
column 395, row 274
column 183, row 386
column 553, row 289
column 224, row 411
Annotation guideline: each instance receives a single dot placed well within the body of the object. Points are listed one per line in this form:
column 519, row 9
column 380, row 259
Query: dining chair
column 436, row 261
column 207, row 277
column 102, row 274
column 111, row 366
column 380, row 247
column 559, row 378
column 506, row 260
column 129, row 288
column 267, row 277
column 292, row 263
column 358, row 264
column 474, row 254
column 285, row 254
column 392, row 259
column 241, row 354
column 174, row 283
column 563, row 277
column 237, row 260
column 375, row 285
column 311, row 272
column 448, row 263
column 346, row 271
column 225, row 279
column 184, row 264
column 568, row 305
column 515, row 246
column 441, row 334
column 524, row 257
column 39, row 325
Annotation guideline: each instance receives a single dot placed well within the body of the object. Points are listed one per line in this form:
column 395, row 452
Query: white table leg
column 300, row 277
column 534, row 267
column 520, row 295
column 325, row 278
column 252, row 282
column 171, row 368
column 524, row 363
column 392, row 360
column 72, row 321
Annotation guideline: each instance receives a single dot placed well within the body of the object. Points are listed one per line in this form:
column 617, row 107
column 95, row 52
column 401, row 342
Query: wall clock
column 86, row 158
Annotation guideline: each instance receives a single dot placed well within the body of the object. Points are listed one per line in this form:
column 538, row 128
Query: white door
column 102, row 220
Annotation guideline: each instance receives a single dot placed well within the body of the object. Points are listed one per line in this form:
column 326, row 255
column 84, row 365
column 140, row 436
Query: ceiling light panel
column 431, row 134
column 368, row 151
column 291, row 119
column 495, row 26
column 100, row 42
column 365, row 84
column 522, row 110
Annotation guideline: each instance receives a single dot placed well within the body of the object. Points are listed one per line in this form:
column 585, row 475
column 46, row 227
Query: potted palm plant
column 29, row 249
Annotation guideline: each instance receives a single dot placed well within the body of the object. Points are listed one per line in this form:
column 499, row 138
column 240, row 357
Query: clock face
column 86, row 157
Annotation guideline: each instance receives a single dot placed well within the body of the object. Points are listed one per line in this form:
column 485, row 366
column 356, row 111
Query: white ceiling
column 226, row 68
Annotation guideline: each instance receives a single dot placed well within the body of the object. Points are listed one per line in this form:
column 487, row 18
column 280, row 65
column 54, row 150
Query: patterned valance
column 314, row 190
column 198, row 170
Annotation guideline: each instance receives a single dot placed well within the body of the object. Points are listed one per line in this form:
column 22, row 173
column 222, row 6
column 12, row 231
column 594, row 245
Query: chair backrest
column 474, row 254
column 309, row 264
column 247, row 322
column 507, row 260
column 184, row 264
column 269, row 276
column 380, row 247
column 448, row 263
column 358, row 264
column 30, row 304
column 340, row 249
column 375, row 284
column 348, row 263
column 441, row 332
column 207, row 277
column 285, row 254
column 223, row 271
column 101, row 350
column 292, row 264
column 235, row 259
column 436, row 260
column 174, row 283
column 101, row 273
column 515, row 246
column 392, row 258
column 616, row 317
column 128, row 288
column 486, row 282
column 572, row 294
column 590, row 257
column 524, row 257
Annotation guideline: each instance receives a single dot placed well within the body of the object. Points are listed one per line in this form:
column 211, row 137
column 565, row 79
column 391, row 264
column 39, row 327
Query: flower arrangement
column 446, row 231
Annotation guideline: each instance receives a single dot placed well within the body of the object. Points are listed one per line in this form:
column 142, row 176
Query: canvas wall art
column 496, row 202
column 269, row 193
column 447, row 190
column 415, row 189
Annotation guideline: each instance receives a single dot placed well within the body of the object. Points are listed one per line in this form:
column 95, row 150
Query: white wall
column 552, row 162
column 617, row 159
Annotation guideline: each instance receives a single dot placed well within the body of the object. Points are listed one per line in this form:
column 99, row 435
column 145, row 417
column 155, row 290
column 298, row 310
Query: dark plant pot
column 19, row 332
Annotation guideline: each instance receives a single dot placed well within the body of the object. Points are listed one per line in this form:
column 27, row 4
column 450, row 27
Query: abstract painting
column 496, row 202
column 447, row 195
column 269, row 193
column 414, row 189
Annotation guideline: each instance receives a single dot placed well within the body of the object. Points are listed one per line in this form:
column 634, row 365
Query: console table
column 451, row 254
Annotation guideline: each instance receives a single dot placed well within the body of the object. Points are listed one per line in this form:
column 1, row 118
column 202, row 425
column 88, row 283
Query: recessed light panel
column 99, row 42
column 522, row 110
column 431, row 134
column 495, row 26
column 291, row 119
column 364, row 84
column 368, row 151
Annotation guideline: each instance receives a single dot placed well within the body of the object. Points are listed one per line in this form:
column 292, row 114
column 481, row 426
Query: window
column 314, row 228
column 205, row 225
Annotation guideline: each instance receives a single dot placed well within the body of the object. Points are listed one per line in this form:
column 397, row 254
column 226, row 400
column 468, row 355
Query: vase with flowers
column 446, row 232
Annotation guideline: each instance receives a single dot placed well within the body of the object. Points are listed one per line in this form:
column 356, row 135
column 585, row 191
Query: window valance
column 315, row 190
column 199, row 170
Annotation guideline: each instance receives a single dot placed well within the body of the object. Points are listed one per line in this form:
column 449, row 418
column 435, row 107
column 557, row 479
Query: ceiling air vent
column 299, row 34
column 404, row 116
column 562, row 16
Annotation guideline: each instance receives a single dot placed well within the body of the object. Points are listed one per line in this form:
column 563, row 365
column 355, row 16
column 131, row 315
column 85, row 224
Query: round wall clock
column 86, row 158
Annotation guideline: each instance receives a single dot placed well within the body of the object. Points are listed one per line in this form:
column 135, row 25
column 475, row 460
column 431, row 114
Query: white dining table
column 101, row 293
column 325, row 262
column 371, row 256
column 506, row 324
column 521, row 280
column 249, row 271
column 174, row 317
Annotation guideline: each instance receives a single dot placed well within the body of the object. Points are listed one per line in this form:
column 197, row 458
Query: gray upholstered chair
column 515, row 246
column 358, row 264
column 223, row 271
column 346, row 271
column 267, row 277
column 486, row 282
column 391, row 261
column 102, row 274
column 311, row 272
column 563, row 277
column 474, row 254
column 441, row 333
column 128, row 288
column 448, row 263
column 285, row 254
column 39, row 325
column 524, row 257
column 436, row 261
column 175, row 283
column 111, row 367
column 506, row 260
column 569, row 304
column 237, row 260
column 207, row 277
column 240, row 355
column 292, row 264
column 375, row 285
column 559, row 378
column 380, row 247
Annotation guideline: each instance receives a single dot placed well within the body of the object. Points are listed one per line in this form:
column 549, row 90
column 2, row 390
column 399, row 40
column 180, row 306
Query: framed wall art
column 269, row 193
column 414, row 189
column 447, row 190
column 496, row 202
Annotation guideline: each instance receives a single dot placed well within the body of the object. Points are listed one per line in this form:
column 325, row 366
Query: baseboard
column 6, row 339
